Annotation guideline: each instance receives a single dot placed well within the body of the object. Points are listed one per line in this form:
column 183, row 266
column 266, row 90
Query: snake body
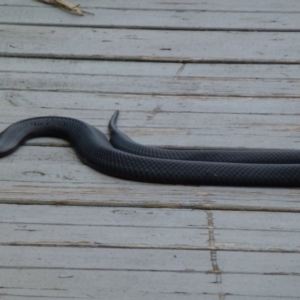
column 122, row 142
column 94, row 150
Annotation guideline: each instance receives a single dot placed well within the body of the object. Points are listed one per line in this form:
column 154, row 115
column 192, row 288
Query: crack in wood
column 213, row 254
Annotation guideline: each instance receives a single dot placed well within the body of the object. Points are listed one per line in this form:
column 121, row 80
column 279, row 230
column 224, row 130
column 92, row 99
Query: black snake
column 94, row 150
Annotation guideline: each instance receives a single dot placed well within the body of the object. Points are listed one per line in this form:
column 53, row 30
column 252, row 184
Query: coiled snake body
column 94, row 149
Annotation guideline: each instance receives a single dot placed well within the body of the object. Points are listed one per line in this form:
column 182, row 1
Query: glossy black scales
column 94, row 149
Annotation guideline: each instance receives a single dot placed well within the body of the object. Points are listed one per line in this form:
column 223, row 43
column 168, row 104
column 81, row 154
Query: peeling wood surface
column 67, row 231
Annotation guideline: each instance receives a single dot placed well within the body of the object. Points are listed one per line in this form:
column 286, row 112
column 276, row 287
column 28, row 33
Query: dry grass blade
column 64, row 5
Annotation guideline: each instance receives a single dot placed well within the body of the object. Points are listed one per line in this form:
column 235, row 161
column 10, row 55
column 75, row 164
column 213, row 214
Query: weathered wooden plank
column 257, row 221
column 102, row 236
column 241, row 123
column 104, row 259
column 263, row 231
column 114, row 285
column 149, row 45
column 241, row 266
column 196, row 86
column 265, row 131
column 258, row 263
column 154, row 79
column 214, row 5
column 94, row 189
column 106, row 284
column 61, row 102
column 261, row 286
column 257, row 240
column 49, row 175
column 15, row 296
column 116, row 68
column 191, row 131
column 53, row 228
column 148, row 260
column 149, row 70
column 104, row 216
column 43, row 225
column 152, row 19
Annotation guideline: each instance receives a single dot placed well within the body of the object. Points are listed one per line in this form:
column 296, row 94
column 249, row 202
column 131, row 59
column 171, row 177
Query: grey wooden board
column 190, row 131
column 139, row 237
column 32, row 226
column 261, row 131
column 274, row 231
column 54, row 175
column 149, row 18
column 76, row 258
column 60, row 102
column 274, row 287
column 150, row 78
column 81, row 284
column 160, row 85
column 43, row 225
column 66, row 258
column 214, row 5
column 136, row 285
column 168, row 274
column 258, row 263
column 146, row 69
column 267, row 123
column 257, row 221
column 149, row 45
column 69, row 262
column 104, row 216
column 257, row 240
column 258, row 130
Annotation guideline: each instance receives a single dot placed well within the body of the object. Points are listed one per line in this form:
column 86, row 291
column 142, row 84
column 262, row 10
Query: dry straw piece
column 64, row 5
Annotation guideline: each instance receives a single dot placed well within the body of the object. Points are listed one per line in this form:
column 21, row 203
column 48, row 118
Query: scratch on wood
column 179, row 71
column 34, row 172
column 11, row 101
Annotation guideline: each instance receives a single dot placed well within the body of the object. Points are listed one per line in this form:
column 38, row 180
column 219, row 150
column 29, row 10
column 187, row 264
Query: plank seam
column 199, row 206
column 274, row 96
column 156, row 28
column 66, row 244
column 164, row 59
column 168, row 9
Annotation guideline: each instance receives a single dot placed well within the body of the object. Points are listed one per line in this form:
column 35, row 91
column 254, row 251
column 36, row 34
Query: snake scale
column 280, row 169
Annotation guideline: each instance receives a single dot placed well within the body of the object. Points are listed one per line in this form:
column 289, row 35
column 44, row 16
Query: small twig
column 64, row 5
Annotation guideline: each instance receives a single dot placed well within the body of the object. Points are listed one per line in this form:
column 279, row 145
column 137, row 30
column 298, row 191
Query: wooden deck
column 183, row 74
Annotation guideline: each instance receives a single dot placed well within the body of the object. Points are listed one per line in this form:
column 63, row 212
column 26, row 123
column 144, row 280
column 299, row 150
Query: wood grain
column 173, row 19
column 149, row 45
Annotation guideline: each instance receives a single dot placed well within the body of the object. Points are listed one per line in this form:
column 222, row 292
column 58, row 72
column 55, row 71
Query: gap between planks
column 213, row 249
column 203, row 206
column 150, row 59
